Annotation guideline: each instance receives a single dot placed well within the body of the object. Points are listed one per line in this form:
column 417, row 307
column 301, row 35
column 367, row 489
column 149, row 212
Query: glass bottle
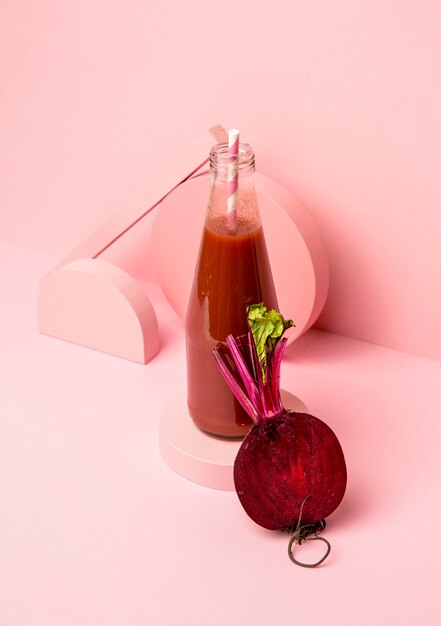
column 232, row 272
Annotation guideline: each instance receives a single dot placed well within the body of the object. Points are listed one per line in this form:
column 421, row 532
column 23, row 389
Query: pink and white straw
column 233, row 177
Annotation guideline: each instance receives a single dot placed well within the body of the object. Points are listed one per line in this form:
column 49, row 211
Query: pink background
column 340, row 100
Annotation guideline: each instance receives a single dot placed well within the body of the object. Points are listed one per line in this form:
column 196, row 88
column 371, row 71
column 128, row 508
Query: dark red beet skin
column 283, row 460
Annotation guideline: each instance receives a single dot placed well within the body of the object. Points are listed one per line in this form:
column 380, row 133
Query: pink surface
column 340, row 100
column 295, row 247
column 96, row 304
column 96, row 529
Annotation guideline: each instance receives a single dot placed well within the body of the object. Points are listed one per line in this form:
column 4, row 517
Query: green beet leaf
column 267, row 328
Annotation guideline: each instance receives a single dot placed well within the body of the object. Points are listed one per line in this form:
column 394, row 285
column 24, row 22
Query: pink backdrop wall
column 340, row 100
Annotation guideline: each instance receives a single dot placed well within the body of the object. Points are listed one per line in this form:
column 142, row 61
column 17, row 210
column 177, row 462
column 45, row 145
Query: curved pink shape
column 96, row 304
column 296, row 250
column 312, row 249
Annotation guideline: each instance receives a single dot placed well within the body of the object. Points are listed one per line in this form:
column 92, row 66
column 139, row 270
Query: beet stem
column 244, row 373
column 275, row 373
column 233, row 384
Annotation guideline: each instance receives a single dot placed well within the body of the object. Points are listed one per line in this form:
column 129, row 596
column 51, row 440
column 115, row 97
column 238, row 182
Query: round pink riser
column 199, row 457
column 297, row 255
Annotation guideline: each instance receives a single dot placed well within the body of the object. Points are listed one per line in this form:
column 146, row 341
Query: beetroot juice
column 232, row 272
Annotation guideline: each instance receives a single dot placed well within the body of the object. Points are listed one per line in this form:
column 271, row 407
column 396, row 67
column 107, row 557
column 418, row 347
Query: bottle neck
column 219, row 162
column 247, row 217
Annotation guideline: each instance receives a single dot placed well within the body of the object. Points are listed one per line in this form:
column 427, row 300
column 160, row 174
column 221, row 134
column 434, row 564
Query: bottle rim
column 219, row 158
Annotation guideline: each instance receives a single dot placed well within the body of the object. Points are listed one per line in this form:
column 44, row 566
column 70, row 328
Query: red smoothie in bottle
column 233, row 271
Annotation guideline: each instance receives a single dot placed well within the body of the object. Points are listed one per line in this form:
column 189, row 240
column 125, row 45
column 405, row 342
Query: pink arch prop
column 296, row 250
column 95, row 304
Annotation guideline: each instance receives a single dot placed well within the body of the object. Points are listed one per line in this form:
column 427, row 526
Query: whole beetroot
column 290, row 465
column 282, row 461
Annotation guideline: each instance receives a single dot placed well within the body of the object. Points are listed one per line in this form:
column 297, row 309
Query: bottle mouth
column 219, row 158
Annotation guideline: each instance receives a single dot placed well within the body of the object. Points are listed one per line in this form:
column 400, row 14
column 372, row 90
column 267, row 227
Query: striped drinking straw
column 233, row 177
